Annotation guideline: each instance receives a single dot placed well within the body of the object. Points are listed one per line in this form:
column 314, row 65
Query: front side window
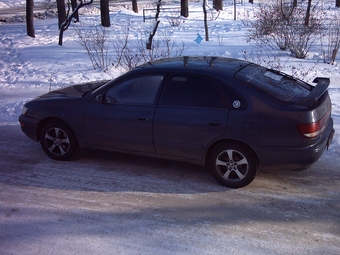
column 138, row 90
column 191, row 91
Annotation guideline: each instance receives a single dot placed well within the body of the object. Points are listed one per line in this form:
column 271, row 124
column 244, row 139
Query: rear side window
column 191, row 91
column 274, row 84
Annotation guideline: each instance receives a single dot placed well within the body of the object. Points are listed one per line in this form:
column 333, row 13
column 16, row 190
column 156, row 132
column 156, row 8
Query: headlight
column 24, row 110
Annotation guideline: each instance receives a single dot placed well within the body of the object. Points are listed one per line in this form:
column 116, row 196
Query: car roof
column 186, row 63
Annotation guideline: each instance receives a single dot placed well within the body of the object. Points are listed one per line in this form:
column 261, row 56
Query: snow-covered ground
column 32, row 66
column 29, row 67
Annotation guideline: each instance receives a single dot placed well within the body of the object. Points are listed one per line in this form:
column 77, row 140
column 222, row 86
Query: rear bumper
column 29, row 126
column 295, row 158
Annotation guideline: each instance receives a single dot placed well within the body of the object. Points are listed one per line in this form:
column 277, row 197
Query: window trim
column 121, row 81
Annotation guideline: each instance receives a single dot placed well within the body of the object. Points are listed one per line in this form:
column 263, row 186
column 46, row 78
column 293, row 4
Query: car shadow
column 24, row 163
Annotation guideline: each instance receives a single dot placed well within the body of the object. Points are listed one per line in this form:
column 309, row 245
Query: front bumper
column 29, row 126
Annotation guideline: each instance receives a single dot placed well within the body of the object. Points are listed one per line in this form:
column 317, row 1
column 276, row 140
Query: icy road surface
column 109, row 203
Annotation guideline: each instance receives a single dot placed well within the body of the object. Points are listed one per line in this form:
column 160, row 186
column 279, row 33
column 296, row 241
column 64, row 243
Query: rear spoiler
column 316, row 93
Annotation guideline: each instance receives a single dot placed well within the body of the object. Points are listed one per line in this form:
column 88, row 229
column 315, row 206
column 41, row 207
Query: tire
column 58, row 140
column 233, row 164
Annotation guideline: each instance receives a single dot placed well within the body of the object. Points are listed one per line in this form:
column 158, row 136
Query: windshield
column 273, row 84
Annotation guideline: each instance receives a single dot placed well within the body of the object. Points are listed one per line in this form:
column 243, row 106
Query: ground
column 109, row 203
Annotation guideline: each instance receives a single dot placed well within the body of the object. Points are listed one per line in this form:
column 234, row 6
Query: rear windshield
column 274, row 84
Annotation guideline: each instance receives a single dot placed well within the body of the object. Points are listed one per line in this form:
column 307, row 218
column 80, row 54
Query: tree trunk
column 205, row 20
column 149, row 42
column 134, row 6
column 184, row 8
column 337, row 3
column 68, row 20
column 308, row 13
column 105, row 13
column 30, row 18
column 251, row 1
column 294, row 3
column 74, row 6
column 218, row 5
column 334, row 54
column 234, row 9
column 61, row 12
column 158, row 9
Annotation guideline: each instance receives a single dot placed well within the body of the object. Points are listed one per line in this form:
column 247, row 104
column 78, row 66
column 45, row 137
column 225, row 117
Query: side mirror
column 100, row 98
column 103, row 99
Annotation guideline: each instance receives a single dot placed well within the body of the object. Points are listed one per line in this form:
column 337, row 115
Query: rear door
column 191, row 113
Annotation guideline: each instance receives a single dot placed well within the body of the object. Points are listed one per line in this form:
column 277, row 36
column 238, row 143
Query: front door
column 123, row 121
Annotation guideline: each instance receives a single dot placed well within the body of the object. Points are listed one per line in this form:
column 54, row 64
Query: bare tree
column 74, row 6
column 283, row 25
column 64, row 26
column 333, row 45
column 184, row 8
column 234, row 9
column 152, row 34
column 29, row 18
column 61, row 12
column 295, row 3
column 218, row 5
column 95, row 41
column 308, row 13
column 108, row 47
column 134, row 6
column 205, row 20
column 105, row 13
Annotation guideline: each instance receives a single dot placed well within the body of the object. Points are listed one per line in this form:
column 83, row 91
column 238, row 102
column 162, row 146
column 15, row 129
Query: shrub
column 281, row 25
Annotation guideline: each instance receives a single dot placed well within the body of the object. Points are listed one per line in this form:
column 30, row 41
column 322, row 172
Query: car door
column 123, row 120
column 191, row 114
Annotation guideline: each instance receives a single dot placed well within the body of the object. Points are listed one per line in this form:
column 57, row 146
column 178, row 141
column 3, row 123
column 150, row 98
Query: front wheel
column 232, row 164
column 57, row 140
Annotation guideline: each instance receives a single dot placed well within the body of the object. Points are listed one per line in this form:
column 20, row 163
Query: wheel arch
column 48, row 119
column 217, row 143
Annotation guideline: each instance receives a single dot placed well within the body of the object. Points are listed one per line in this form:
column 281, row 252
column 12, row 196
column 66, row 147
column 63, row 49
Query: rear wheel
column 233, row 164
column 57, row 140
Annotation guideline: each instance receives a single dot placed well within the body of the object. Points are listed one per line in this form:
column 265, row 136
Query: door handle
column 142, row 118
column 214, row 123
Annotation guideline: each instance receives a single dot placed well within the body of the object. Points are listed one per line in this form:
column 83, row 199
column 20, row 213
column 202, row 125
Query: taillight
column 309, row 130
column 313, row 129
